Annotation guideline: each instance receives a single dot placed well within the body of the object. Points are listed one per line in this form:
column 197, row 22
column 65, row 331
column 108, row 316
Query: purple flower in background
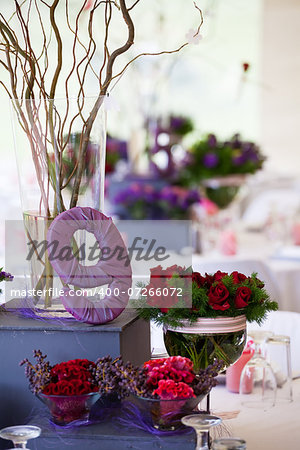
column 252, row 155
column 118, row 146
column 116, row 149
column 247, row 146
column 6, row 276
column 212, row 140
column 235, row 142
column 177, row 122
column 193, row 196
column 240, row 159
column 169, row 196
column 211, row 157
column 210, row 160
column 143, row 201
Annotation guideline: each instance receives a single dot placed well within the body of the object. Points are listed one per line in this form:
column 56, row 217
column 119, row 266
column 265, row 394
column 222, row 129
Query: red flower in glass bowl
column 172, row 390
column 69, row 408
column 176, row 369
column 69, row 389
column 169, row 390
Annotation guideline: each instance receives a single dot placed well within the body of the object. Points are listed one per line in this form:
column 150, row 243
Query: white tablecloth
column 275, row 429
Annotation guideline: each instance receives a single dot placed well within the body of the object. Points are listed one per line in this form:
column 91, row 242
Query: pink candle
column 228, row 243
column 296, row 233
column 233, row 373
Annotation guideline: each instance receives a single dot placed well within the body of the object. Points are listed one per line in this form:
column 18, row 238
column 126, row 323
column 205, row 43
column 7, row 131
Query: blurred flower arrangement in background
column 210, row 157
column 166, row 152
column 116, row 150
column 5, row 276
column 143, row 201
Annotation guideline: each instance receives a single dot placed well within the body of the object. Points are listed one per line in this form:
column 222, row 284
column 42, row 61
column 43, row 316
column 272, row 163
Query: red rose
column 219, row 275
column 156, row 297
column 199, row 279
column 170, row 271
column 242, row 297
column 238, row 277
column 157, row 278
column 218, row 296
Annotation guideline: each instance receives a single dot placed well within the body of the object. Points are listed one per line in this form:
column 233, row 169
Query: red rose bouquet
column 204, row 316
column 177, row 294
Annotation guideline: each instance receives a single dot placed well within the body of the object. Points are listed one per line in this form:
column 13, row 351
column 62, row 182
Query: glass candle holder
column 20, row 434
column 201, row 424
column 258, row 383
column 279, row 357
column 229, row 443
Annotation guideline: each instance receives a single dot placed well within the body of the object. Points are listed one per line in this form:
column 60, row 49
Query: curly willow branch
column 29, row 74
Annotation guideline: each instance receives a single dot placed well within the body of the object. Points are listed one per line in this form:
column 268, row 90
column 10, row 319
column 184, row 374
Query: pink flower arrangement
column 174, row 378
column 170, row 390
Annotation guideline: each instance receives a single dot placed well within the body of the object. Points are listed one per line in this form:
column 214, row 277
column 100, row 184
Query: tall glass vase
column 60, row 148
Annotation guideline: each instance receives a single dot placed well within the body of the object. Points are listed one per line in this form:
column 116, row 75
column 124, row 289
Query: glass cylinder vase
column 60, row 148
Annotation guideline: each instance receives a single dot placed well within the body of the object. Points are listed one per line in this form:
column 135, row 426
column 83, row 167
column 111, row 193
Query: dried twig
column 32, row 77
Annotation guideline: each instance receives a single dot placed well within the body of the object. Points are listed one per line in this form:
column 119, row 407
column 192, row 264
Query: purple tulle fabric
column 125, row 414
column 28, row 310
column 132, row 417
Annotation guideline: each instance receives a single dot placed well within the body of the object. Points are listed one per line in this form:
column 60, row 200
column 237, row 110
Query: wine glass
column 201, row 424
column 20, row 434
column 258, row 383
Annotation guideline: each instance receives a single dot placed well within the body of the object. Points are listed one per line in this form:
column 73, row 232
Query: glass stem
column 202, row 440
column 23, row 445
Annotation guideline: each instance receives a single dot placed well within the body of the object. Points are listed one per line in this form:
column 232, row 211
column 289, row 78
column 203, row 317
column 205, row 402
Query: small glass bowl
column 167, row 414
column 68, row 408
